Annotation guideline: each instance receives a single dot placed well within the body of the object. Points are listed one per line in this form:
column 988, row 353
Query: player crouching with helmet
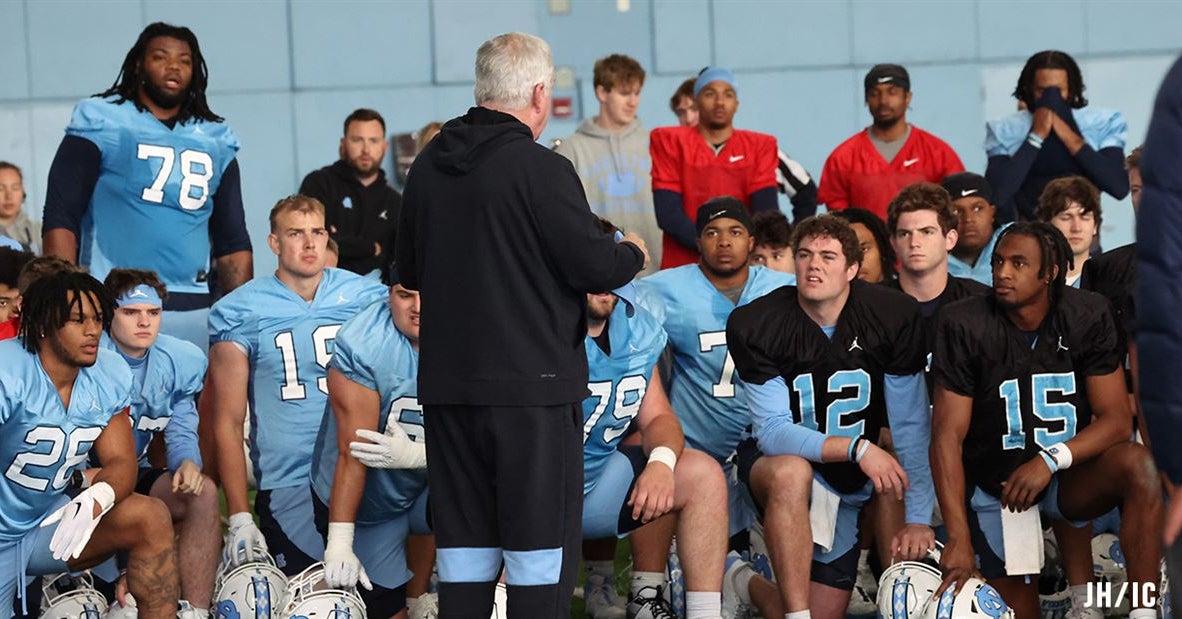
column 1031, row 414
column 63, row 398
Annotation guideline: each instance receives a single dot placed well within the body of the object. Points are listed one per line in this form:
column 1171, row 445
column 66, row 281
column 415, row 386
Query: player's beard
column 724, row 273
column 162, row 99
column 887, row 123
column 360, row 171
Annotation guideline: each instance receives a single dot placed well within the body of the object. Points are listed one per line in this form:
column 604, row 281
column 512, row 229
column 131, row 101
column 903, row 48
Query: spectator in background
column 1057, row 134
column 773, row 242
column 683, row 106
column 870, row 168
column 426, row 134
column 14, row 221
column 610, row 152
column 1072, row 205
column 878, row 256
column 691, row 165
column 11, row 263
column 361, row 209
column 1133, row 165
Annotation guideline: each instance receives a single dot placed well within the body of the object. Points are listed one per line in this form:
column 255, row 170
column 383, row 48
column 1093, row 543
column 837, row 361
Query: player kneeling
column 167, row 374
column 375, row 422
column 624, row 490
column 63, row 398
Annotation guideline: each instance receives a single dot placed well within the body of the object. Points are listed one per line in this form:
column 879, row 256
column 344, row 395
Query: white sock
column 1143, row 613
column 602, row 568
column 800, row 614
column 1079, row 595
column 641, row 580
column 703, row 604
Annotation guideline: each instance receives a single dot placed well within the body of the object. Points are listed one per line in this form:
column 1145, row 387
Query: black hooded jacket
column 361, row 214
column 496, row 234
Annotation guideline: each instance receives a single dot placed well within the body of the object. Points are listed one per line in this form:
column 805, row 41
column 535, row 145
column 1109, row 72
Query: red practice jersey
column 683, row 162
column 9, row 328
column 856, row 174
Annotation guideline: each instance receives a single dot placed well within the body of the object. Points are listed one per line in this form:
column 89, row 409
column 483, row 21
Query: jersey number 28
column 76, row 447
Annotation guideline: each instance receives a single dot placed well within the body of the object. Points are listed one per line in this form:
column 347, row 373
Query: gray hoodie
column 615, row 170
column 28, row 232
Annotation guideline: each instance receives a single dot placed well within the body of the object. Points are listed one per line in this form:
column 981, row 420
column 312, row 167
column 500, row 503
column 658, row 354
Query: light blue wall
column 285, row 73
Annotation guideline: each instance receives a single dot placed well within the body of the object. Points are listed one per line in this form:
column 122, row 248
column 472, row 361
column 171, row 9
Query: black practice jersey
column 835, row 384
column 956, row 289
column 1025, row 396
column 1113, row 274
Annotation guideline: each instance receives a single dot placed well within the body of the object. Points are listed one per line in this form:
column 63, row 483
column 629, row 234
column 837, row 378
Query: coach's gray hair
column 509, row 66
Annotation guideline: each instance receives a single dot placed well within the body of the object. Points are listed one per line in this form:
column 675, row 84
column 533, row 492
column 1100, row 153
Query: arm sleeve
column 405, row 247
column 832, row 190
column 346, row 360
column 227, row 222
column 230, row 323
column 672, row 219
column 794, row 181
column 588, row 259
column 1106, row 168
column 666, row 161
column 953, row 364
column 763, row 200
column 771, row 418
column 1103, row 351
column 1006, row 175
column 72, row 177
column 1159, row 259
column 180, row 436
column 911, row 427
column 763, row 175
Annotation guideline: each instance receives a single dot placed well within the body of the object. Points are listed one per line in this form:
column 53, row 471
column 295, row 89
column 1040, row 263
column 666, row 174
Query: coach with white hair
column 496, row 234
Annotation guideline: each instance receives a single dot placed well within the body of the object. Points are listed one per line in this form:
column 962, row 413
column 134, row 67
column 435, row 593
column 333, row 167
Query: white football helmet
column 310, row 597
column 1108, row 562
column 252, row 590
column 1054, row 598
column 71, row 597
column 904, row 588
column 976, row 599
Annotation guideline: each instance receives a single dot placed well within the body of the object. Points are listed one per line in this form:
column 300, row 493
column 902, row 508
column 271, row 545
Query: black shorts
column 147, row 478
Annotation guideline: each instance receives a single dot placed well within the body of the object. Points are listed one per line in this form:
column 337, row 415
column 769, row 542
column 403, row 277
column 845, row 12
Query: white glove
column 342, row 568
column 76, row 520
column 244, row 541
column 393, row 450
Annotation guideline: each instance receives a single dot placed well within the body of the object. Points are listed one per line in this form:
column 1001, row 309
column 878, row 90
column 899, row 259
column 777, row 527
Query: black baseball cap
column 887, row 74
column 967, row 184
column 725, row 206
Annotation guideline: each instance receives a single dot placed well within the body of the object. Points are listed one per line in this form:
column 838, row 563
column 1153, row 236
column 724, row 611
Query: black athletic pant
column 506, row 486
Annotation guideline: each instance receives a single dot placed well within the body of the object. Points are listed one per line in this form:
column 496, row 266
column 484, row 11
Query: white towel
column 823, row 515
column 1021, row 534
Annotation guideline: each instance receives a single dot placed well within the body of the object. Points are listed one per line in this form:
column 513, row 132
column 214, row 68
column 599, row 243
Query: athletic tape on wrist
column 665, row 456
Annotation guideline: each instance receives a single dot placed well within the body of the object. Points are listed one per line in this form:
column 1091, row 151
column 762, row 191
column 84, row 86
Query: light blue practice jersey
column 151, row 205
column 289, row 342
column 373, row 353
column 164, row 396
column 704, row 393
column 982, row 270
column 41, row 441
column 617, row 383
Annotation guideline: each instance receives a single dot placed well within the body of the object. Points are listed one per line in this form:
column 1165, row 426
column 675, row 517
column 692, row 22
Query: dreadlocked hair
column 127, row 84
column 50, row 301
column 1054, row 250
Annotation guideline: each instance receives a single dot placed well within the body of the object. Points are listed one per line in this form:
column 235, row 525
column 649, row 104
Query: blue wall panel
column 14, row 70
column 755, row 34
column 913, row 30
column 682, row 34
column 1114, row 27
column 350, row 44
column 944, row 99
column 77, row 47
column 460, row 26
column 577, row 46
column 245, row 43
column 1019, row 28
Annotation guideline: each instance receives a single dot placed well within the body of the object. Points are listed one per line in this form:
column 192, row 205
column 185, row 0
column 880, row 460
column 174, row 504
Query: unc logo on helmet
column 904, row 588
column 68, row 597
column 250, row 591
column 310, row 597
column 976, row 599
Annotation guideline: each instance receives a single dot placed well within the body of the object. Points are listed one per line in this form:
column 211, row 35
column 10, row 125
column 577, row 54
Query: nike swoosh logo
column 967, row 192
column 717, row 214
column 883, row 80
column 909, row 162
column 735, row 158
